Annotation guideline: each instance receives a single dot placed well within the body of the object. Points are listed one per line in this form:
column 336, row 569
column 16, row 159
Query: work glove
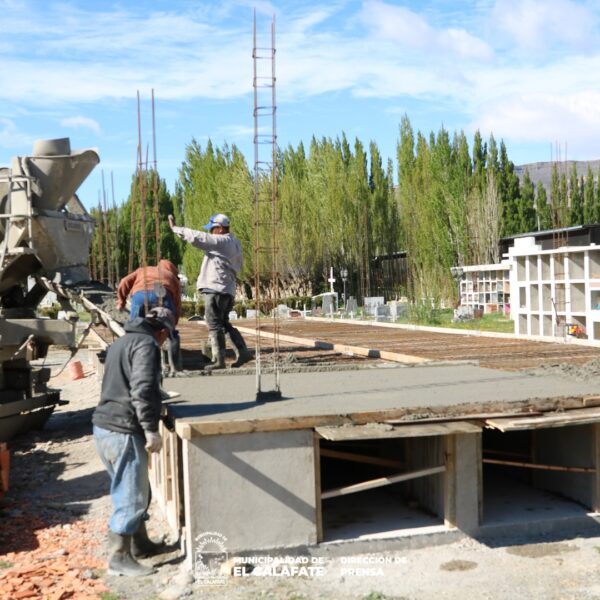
column 153, row 441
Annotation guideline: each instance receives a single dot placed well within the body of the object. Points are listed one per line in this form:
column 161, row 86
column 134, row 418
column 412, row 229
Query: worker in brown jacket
column 144, row 287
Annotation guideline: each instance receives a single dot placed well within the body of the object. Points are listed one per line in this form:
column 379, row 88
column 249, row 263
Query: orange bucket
column 76, row 370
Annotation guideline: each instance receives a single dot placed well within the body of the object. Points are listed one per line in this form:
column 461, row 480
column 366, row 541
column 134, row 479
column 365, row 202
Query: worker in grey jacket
column 125, row 427
column 217, row 281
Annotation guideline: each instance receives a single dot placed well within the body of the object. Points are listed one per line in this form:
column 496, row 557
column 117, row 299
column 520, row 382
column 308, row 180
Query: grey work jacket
column 222, row 259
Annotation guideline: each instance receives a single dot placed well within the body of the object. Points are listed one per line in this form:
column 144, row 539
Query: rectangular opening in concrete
column 533, row 268
column 546, row 267
column 578, row 297
column 594, row 264
column 535, row 324
column 547, row 323
column 521, row 268
column 546, row 297
column 537, row 475
column 558, row 264
column 576, row 265
column 390, row 510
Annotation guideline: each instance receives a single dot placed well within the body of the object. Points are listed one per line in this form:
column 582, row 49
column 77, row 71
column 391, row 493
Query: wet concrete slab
column 431, row 388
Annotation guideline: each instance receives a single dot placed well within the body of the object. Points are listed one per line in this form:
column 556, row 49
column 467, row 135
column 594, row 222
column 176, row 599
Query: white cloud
column 572, row 119
column 411, row 30
column 11, row 137
column 236, row 131
column 82, row 122
column 380, row 50
column 540, row 24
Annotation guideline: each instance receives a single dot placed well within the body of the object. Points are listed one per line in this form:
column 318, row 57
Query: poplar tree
column 590, row 214
column 575, row 197
column 526, row 206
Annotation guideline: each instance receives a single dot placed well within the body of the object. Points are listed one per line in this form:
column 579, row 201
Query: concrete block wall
column 257, row 489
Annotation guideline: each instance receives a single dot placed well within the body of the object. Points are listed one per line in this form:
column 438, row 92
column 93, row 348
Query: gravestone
column 352, row 305
column 382, row 312
column 283, row 311
column 371, row 304
column 328, row 305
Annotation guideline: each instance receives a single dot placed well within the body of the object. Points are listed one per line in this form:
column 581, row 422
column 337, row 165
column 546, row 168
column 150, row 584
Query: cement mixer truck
column 45, row 234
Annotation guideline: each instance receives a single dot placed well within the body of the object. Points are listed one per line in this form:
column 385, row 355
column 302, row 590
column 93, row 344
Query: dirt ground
column 53, row 529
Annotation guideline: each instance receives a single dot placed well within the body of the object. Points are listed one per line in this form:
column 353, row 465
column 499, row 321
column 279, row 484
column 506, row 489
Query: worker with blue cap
column 217, row 281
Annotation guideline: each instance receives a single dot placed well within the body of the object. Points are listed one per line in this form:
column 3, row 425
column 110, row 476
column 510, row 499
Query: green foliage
column 338, row 207
column 543, row 208
column 49, row 311
column 453, row 207
column 117, row 247
column 527, row 218
column 424, row 314
column 215, row 181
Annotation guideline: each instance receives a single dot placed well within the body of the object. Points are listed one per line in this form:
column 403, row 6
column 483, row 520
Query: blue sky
column 526, row 70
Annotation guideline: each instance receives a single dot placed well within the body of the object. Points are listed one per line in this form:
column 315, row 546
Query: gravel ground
column 53, row 526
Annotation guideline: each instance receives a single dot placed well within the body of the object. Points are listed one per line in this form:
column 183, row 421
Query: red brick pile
column 57, row 562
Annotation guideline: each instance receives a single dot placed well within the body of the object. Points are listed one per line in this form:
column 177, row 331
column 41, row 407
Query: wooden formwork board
column 164, row 476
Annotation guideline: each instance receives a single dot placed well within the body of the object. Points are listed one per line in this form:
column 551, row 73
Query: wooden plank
column 380, row 482
column 572, row 417
column 183, row 430
column 191, row 427
column 363, row 458
column 590, row 401
column 527, row 465
column 464, row 417
column 102, row 344
column 380, row 431
column 345, row 348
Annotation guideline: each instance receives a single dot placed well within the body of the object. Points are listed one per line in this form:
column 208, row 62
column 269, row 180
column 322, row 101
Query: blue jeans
column 138, row 303
column 126, row 460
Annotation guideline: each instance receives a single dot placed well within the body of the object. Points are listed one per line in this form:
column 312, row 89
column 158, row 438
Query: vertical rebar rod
column 116, row 236
column 141, row 189
column 266, row 210
column 274, row 215
column 257, row 258
column 100, row 238
column 107, row 236
column 155, row 184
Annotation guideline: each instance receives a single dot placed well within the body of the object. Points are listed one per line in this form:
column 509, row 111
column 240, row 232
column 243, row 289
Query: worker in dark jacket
column 125, row 427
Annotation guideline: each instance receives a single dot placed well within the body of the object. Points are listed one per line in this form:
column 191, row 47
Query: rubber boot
column 122, row 562
column 142, row 545
column 217, row 342
column 242, row 354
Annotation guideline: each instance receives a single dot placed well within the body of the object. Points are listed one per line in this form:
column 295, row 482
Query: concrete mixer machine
column 45, row 234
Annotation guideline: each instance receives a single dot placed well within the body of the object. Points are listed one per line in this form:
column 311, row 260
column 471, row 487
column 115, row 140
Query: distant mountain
column 542, row 171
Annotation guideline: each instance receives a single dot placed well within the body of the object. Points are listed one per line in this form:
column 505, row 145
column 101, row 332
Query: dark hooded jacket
column 130, row 399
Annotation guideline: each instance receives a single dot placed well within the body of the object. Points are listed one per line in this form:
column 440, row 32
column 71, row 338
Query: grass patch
column 443, row 318
column 108, row 596
column 5, row 565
